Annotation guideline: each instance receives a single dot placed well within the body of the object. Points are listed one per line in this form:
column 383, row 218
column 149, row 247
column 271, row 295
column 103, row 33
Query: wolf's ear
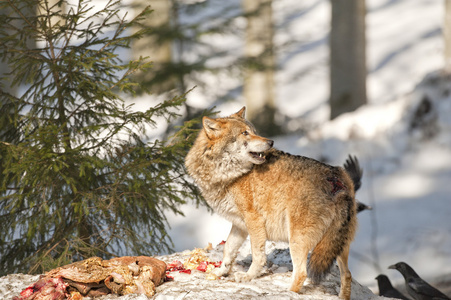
column 240, row 113
column 211, row 127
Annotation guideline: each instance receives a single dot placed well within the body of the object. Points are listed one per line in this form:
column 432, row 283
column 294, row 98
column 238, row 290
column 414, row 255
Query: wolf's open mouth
column 258, row 155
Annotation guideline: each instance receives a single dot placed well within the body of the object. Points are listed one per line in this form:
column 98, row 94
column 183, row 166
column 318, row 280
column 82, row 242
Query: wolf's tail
column 338, row 236
column 354, row 171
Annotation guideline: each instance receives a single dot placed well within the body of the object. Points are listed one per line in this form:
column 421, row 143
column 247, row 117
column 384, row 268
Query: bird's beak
column 392, row 267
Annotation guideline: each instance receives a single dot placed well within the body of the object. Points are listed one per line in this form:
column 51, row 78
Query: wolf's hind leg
column 234, row 241
column 299, row 253
column 302, row 239
column 345, row 274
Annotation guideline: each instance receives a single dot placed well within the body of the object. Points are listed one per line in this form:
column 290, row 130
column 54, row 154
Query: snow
column 276, row 277
column 273, row 284
column 403, row 44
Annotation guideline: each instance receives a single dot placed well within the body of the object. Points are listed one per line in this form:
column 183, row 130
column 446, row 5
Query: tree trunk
column 258, row 86
column 7, row 106
column 154, row 45
column 6, row 85
column 55, row 7
column 447, row 35
column 5, row 78
column 347, row 56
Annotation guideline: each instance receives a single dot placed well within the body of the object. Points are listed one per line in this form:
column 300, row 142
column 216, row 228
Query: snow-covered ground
column 273, row 284
column 407, row 172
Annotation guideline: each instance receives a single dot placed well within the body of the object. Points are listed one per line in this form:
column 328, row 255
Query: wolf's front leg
column 257, row 235
column 234, row 241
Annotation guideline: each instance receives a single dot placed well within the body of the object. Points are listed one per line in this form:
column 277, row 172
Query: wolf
column 268, row 194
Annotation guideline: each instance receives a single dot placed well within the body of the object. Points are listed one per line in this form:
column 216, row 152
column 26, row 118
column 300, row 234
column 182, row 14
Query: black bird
column 352, row 167
column 417, row 287
column 354, row 170
column 387, row 290
column 362, row 206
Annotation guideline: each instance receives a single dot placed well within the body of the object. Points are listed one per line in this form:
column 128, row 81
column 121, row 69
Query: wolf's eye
column 245, row 132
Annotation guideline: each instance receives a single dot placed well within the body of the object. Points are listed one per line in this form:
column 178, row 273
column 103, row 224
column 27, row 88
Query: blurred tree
column 183, row 39
column 195, row 32
column 5, row 70
column 80, row 176
column 157, row 45
column 258, row 88
column 7, row 86
column 447, row 35
column 58, row 7
column 347, row 56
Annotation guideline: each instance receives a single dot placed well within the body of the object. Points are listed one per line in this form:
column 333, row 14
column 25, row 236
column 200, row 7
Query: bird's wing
column 394, row 293
column 423, row 288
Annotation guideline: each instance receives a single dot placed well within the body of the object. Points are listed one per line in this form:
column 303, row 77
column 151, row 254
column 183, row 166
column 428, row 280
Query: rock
column 273, row 284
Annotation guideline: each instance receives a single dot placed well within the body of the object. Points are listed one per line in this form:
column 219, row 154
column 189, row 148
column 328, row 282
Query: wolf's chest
column 226, row 207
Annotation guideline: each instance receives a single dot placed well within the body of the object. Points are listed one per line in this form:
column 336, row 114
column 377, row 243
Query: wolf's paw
column 344, row 296
column 242, row 277
column 221, row 271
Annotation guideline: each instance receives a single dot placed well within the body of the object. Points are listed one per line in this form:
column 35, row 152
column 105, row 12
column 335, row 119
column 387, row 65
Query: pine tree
column 79, row 174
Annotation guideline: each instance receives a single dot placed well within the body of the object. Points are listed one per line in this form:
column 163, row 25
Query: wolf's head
column 234, row 138
column 225, row 149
